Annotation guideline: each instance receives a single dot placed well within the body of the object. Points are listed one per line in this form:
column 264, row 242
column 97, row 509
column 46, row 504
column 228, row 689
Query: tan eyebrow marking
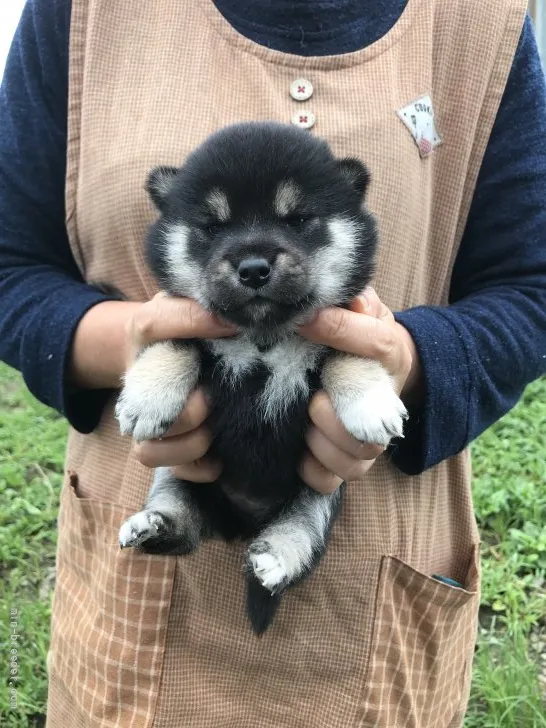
column 218, row 204
column 287, row 198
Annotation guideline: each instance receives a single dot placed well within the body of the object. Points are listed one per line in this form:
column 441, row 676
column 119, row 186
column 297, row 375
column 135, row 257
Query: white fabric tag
column 419, row 119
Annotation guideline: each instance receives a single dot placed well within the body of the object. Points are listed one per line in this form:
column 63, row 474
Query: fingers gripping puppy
column 262, row 226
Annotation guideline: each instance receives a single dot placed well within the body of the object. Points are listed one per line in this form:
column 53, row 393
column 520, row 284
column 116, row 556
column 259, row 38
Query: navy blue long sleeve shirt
column 477, row 354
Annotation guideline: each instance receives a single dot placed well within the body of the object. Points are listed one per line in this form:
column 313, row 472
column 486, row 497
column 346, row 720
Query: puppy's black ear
column 355, row 173
column 159, row 184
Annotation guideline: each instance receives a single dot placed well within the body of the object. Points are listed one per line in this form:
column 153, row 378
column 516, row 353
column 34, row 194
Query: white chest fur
column 287, row 361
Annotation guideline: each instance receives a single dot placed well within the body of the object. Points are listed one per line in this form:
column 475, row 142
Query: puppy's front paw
column 147, row 411
column 268, row 565
column 376, row 415
column 156, row 389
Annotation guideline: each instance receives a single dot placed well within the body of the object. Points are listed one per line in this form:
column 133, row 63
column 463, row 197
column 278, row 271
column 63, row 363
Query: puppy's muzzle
column 268, row 277
column 254, row 266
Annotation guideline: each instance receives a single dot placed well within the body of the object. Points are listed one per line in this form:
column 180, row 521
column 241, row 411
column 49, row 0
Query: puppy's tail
column 261, row 605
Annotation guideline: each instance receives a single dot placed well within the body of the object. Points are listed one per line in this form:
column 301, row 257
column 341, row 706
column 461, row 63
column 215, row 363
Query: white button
column 304, row 119
column 301, row 89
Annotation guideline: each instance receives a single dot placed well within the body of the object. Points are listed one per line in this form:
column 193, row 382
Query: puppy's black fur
column 263, row 226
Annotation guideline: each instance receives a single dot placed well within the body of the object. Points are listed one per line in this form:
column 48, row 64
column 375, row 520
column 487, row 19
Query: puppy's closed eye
column 298, row 222
column 214, row 229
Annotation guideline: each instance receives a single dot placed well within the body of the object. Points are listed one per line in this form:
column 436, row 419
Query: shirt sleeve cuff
column 45, row 356
column 438, row 428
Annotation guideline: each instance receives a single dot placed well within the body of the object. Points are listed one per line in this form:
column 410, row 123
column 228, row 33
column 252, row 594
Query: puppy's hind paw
column 155, row 533
column 267, row 566
column 140, row 528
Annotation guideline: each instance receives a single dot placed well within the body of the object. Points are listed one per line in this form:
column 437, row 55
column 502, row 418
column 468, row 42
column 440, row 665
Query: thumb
column 167, row 317
column 369, row 303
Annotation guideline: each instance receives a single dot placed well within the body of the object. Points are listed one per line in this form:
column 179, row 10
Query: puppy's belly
column 260, row 459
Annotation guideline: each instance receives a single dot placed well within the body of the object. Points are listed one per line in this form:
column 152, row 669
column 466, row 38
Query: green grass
column 506, row 691
column 510, row 496
column 509, row 463
column 32, row 441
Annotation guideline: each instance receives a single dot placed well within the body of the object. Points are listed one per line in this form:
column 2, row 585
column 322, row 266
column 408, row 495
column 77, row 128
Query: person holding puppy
column 445, row 103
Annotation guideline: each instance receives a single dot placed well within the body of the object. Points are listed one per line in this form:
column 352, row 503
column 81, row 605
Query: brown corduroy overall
column 371, row 639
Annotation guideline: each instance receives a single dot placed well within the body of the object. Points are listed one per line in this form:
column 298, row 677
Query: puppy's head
column 262, row 225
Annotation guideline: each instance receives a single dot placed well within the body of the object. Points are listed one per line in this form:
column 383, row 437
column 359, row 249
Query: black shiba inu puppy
column 262, row 226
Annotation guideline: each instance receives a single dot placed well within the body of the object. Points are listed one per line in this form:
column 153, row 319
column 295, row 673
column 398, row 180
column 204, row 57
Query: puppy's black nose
column 254, row 272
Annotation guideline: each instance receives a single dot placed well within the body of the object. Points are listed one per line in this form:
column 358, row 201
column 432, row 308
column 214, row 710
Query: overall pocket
column 109, row 624
column 422, row 647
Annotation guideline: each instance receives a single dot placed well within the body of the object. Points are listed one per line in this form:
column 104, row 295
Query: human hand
column 368, row 330
column 185, row 446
